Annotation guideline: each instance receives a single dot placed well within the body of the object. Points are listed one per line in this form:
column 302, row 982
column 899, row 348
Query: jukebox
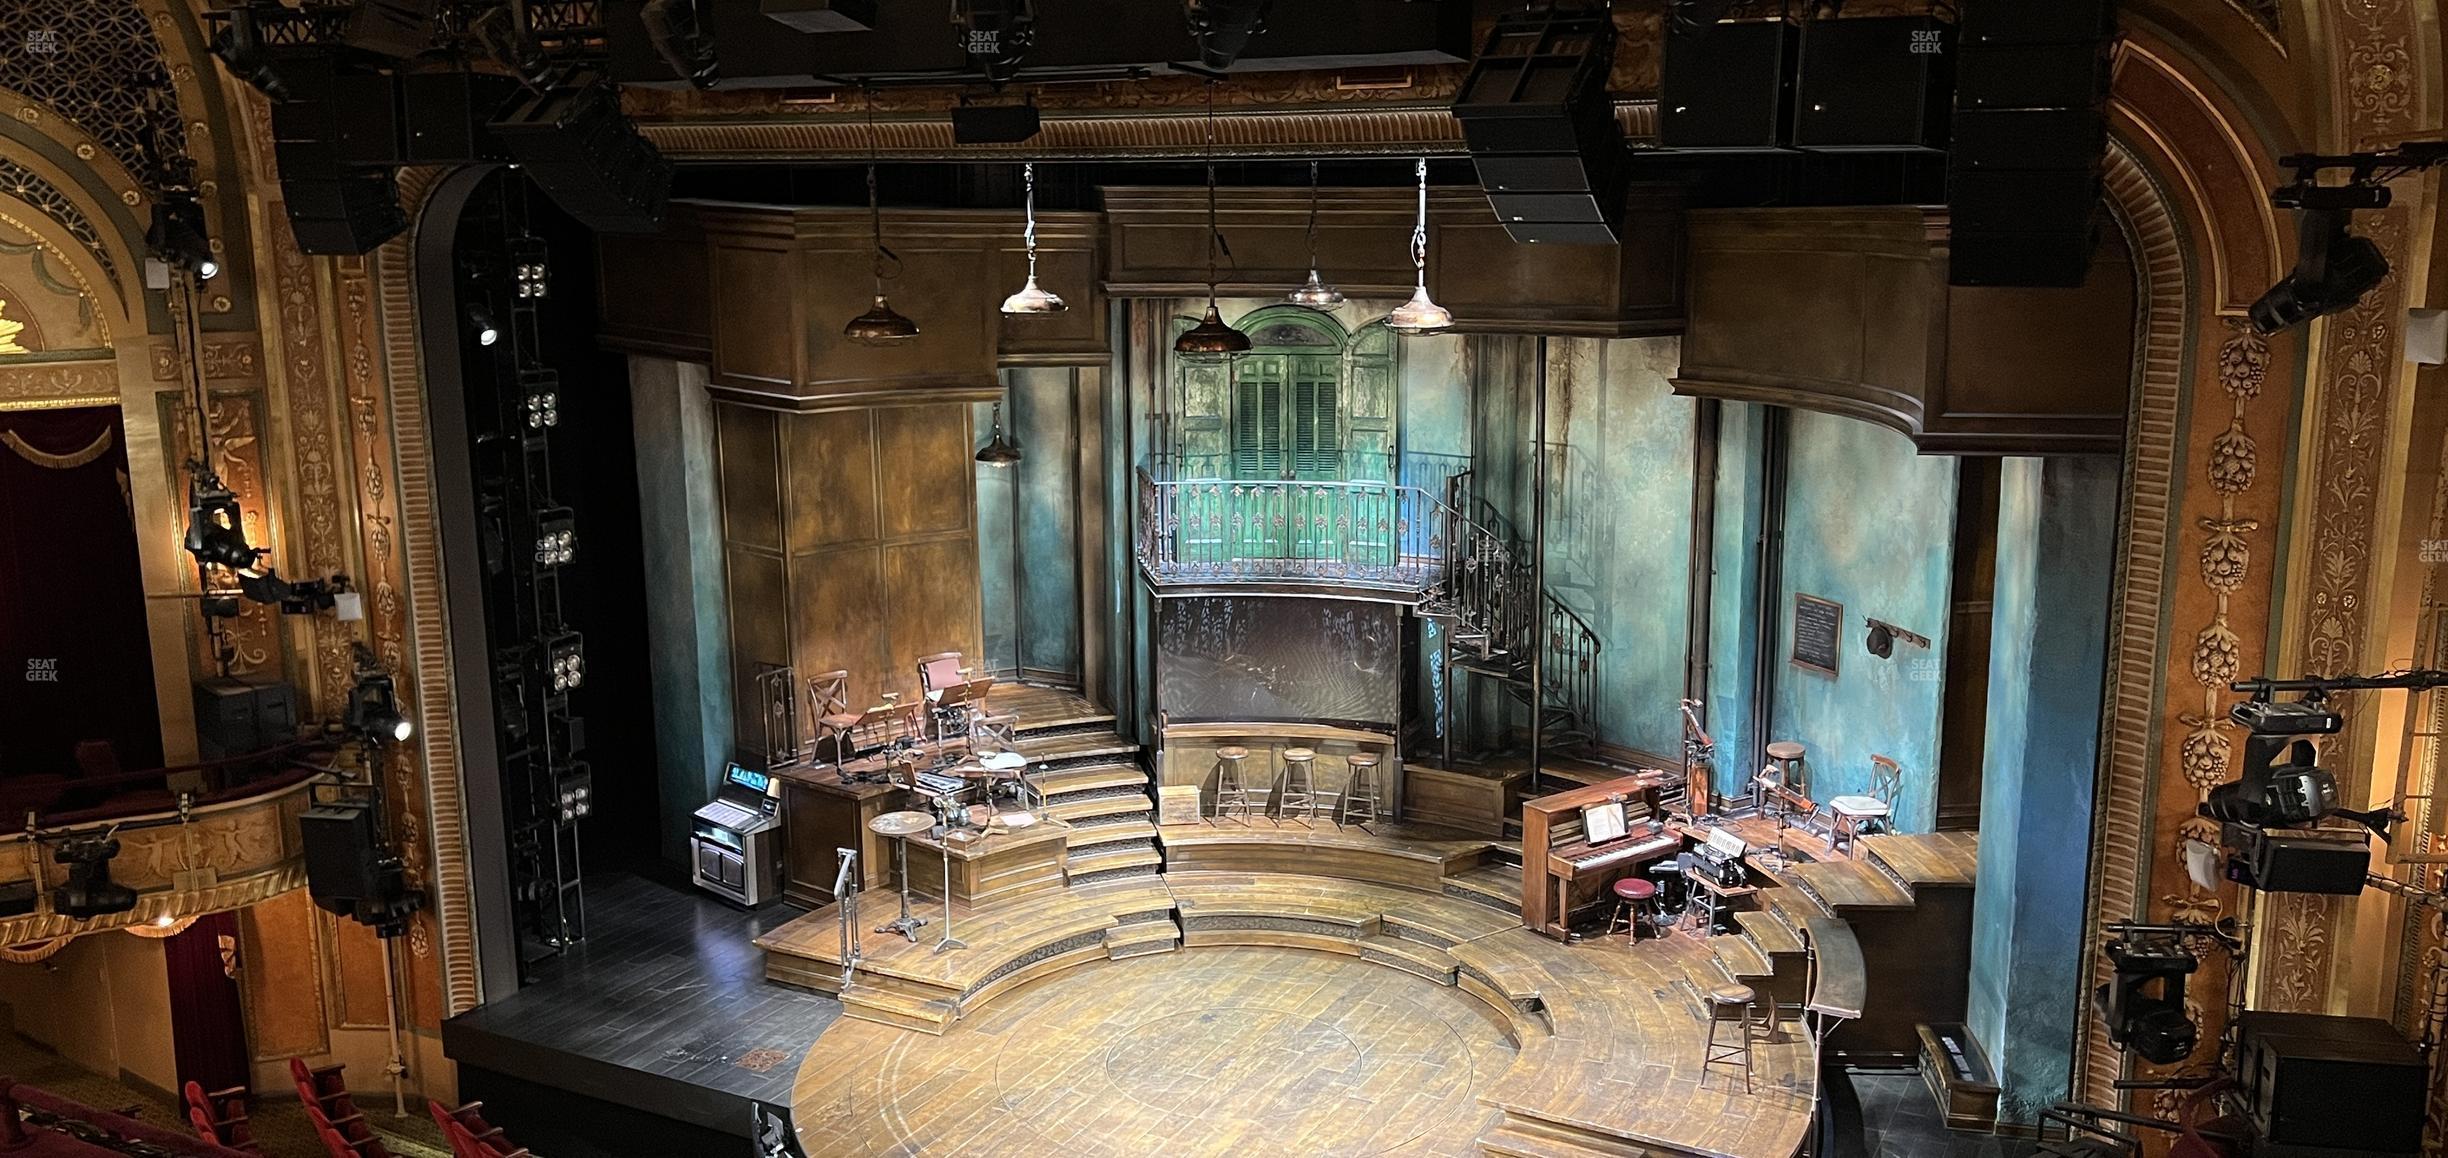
column 736, row 840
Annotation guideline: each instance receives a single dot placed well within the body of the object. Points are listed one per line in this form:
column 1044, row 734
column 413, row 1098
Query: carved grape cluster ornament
column 2225, row 557
column 2205, row 752
column 2217, row 653
column 2233, row 455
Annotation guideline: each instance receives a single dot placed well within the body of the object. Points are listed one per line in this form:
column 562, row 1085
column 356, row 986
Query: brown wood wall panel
column 283, row 978
column 832, row 483
column 837, row 612
column 926, row 477
column 931, row 602
column 755, row 324
column 751, row 498
column 760, row 632
column 653, row 298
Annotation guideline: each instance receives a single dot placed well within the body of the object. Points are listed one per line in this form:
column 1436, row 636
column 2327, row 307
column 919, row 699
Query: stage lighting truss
column 556, row 537
column 565, row 663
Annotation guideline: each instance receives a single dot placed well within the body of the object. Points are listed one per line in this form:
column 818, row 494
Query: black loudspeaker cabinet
column 1729, row 87
column 447, row 114
column 2304, row 864
column 576, row 143
column 2035, row 21
column 234, row 717
column 2032, row 76
column 343, row 860
column 1535, row 113
column 2317, row 1086
column 1876, row 84
column 348, row 213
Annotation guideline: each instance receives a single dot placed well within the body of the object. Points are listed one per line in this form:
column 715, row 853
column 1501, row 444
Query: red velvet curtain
column 207, row 1025
column 75, row 661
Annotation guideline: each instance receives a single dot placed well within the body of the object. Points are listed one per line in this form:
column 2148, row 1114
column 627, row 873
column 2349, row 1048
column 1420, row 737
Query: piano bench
column 1635, row 905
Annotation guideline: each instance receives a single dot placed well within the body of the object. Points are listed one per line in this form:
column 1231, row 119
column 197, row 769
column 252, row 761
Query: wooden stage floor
column 1215, row 1010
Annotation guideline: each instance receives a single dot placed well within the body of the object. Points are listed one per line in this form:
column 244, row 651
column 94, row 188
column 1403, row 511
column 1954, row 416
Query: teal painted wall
column 1870, row 524
column 1734, row 628
column 1028, row 529
column 2048, row 652
column 688, row 635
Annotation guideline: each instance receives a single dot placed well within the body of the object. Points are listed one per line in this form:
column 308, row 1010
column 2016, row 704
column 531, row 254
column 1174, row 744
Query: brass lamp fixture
column 1211, row 338
column 881, row 325
column 1420, row 316
column 1316, row 295
column 1031, row 301
column 999, row 452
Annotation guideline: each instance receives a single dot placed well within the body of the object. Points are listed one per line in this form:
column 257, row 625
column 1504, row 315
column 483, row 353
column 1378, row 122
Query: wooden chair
column 939, row 671
column 1859, row 816
column 829, row 702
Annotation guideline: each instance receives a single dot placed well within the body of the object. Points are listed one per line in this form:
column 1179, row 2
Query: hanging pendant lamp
column 999, row 451
column 1211, row 338
column 1420, row 316
column 1316, row 295
column 1031, row 301
column 881, row 325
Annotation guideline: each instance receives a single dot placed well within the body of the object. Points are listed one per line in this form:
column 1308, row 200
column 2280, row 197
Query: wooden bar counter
column 820, row 813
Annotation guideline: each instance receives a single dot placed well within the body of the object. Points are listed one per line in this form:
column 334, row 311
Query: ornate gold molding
column 54, row 385
column 247, row 849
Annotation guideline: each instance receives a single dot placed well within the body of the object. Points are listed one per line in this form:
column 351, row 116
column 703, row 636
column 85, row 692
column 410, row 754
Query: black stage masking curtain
column 75, row 662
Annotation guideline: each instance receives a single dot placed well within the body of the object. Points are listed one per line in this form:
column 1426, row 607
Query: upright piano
column 1576, row 844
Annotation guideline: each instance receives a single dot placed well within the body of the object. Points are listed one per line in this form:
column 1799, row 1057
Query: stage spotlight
column 566, row 661
column 240, row 46
column 556, row 538
column 574, row 785
column 542, row 403
column 373, row 704
column 2269, row 794
column 480, row 320
column 529, row 270
column 1223, row 28
column 683, row 34
column 216, row 528
column 2144, row 1004
column 89, row 890
column 2333, row 270
column 177, row 237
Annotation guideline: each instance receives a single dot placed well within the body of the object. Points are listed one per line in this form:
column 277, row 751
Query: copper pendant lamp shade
column 881, row 325
column 999, row 451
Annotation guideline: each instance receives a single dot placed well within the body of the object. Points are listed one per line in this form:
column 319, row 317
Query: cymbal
column 902, row 823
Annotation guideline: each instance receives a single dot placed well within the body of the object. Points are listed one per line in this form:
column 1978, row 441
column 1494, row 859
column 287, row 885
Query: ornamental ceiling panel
column 98, row 63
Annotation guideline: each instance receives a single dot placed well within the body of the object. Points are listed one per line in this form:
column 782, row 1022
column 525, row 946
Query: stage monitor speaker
column 2314, row 1084
column 577, row 144
column 235, row 717
column 2304, row 864
column 1540, row 126
column 344, row 214
column 343, row 855
column 1989, row 22
column 1729, row 87
column 1874, row 84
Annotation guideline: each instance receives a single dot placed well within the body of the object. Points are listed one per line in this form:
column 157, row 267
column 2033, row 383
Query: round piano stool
column 1359, row 792
column 1634, row 906
column 1788, row 756
column 1729, row 1004
column 1232, row 796
column 1296, row 786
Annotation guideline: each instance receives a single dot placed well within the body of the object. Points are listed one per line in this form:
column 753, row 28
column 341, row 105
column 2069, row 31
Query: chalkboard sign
column 1817, row 623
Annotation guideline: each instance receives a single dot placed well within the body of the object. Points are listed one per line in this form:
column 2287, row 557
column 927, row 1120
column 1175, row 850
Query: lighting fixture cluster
column 531, row 277
column 543, row 399
column 557, row 545
column 567, row 662
column 574, row 786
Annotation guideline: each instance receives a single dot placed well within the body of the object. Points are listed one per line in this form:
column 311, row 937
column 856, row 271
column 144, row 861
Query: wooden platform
column 1381, row 1000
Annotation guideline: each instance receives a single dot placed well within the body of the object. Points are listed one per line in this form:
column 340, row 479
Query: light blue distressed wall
column 1869, row 523
column 1028, row 529
column 688, row 635
column 2048, row 650
column 1734, row 626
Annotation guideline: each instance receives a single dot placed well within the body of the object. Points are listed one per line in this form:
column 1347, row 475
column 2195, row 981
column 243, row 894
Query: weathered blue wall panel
column 1734, row 626
column 688, row 634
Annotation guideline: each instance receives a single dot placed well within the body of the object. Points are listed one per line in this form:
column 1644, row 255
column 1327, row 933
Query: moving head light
column 2144, row 1004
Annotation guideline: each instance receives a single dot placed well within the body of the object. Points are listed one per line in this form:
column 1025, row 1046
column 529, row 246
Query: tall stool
column 1234, row 796
column 1635, row 901
column 1359, row 791
column 1296, row 785
column 1787, row 756
column 1729, row 1002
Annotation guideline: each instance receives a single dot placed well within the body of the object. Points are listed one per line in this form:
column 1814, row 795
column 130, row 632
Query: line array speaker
column 1728, row 87
column 334, row 138
column 576, row 143
column 2030, row 128
column 1874, row 84
column 1541, row 128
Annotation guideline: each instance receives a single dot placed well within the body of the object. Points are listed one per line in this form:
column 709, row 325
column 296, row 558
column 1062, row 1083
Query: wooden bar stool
column 1787, row 756
column 1296, row 785
column 1234, row 796
column 1729, row 1003
column 1635, row 904
column 1359, row 791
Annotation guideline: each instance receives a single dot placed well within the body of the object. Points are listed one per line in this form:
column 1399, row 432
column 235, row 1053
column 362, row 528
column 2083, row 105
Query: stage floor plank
column 1222, row 1051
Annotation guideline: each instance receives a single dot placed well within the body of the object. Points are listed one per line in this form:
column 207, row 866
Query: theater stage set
column 1350, row 577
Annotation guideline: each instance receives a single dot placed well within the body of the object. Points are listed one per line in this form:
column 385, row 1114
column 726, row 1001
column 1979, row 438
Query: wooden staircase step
column 1849, row 884
column 1497, row 886
column 1770, row 935
column 1742, row 960
column 1792, row 907
column 1103, row 858
column 1413, row 957
column 896, row 1008
column 1089, row 807
column 1089, row 778
column 1139, row 938
column 1087, row 838
column 1927, row 859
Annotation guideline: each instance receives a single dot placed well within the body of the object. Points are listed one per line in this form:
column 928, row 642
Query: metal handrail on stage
column 846, row 891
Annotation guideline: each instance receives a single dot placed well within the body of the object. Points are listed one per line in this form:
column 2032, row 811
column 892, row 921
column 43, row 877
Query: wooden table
column 992, row 867
column 821, row 813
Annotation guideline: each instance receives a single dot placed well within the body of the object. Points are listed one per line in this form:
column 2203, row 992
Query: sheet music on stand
column 1601, row 823
column 1726, row 844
